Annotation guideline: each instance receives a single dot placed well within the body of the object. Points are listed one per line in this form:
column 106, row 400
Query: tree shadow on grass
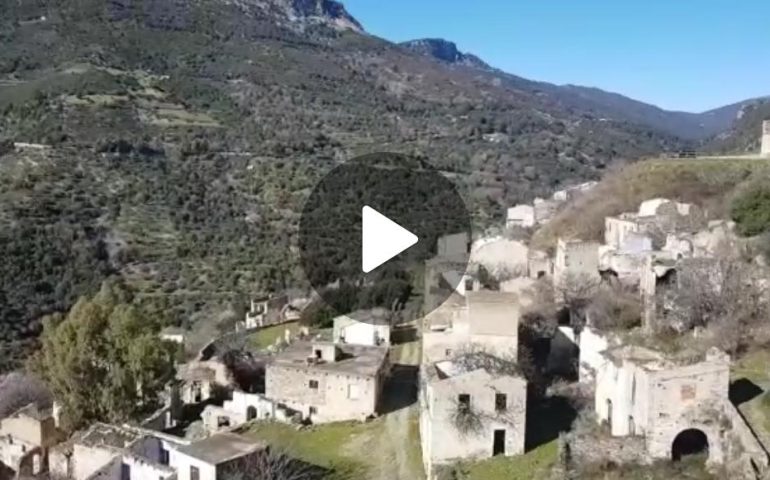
column 400, row 389
column 546, row 419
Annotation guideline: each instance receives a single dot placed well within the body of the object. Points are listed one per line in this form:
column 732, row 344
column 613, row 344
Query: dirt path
column 395, row 460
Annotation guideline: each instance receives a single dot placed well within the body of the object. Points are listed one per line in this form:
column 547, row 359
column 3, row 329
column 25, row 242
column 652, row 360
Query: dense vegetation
column 185, row 137
column 751, row 209
column 104, row 360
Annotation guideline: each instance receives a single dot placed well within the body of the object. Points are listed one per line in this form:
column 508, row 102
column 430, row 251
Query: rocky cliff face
column 327, row 12
column 444, row 51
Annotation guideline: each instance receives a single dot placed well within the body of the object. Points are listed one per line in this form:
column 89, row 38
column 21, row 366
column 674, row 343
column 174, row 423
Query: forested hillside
column 180, row 140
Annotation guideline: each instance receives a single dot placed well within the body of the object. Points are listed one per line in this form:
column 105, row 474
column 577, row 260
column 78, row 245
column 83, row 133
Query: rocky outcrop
column 327, row 12
column 444, row 51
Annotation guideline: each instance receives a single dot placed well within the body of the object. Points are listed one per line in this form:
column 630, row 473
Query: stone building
column 198, row 380
column 265, row 311
column 487, row 320
column 655, row 218
column 363, row 328
column 575, row 260
column 328, row 382
column 210, row 458
column 765, row 148
column 469, row 414
column 520, row 216
column 454, row 245
column 539, row 264
column 109, row 452
column 676, row 408
column 245, row 407
column 25, row 439
column 500, row 256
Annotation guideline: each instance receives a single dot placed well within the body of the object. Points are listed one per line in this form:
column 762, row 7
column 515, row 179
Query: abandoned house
column 500, row 256
column 265, row 311
column 199, row 380
column 575, row 260
column 245, row 407
column 487, row 320
column 328, row 382
column 539, row 264
column 370, row 327
column 108, row 452
column 469, row 413
column 678, row 409
column 520, row 216
column 656, row 218
column 210, row 458
column 25, row 439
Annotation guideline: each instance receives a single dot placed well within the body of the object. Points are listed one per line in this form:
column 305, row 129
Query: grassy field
column 268, row 336
column 754, row 367
column 340, row 447
column 534, row 465
column 708, row 182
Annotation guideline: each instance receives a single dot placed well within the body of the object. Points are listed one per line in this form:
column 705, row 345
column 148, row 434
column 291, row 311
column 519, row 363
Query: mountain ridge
column 179, row 141
column 689, row 125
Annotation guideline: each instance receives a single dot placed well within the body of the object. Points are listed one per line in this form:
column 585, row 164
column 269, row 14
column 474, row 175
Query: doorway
column 498, row 445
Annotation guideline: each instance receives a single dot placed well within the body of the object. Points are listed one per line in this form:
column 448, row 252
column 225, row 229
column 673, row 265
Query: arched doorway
column 689, row 442
column 251, row 413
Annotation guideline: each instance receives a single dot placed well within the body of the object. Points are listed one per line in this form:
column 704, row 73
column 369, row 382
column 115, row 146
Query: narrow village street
column 398, row 449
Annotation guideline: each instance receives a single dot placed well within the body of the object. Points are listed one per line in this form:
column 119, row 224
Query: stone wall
column 602, row 448
column 575, row 260
column 444, row 443
column 338, row 396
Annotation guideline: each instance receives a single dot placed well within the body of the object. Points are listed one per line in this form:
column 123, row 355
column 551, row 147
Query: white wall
column 360, row 333
column 443, row 443
column 90, row 459
column 182, row 463
column 591, row 344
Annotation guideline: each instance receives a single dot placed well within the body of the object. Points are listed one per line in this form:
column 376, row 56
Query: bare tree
column 722, row 295
column 271, row 464
column 615, row 308
column 575, row 292
column 466, row 417
column 18, row 390
column 471, row 357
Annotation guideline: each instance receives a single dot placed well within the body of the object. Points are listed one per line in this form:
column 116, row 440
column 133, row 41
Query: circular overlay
column 407, row 191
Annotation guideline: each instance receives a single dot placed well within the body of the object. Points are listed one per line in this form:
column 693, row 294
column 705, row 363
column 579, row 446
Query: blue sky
column 689, row 55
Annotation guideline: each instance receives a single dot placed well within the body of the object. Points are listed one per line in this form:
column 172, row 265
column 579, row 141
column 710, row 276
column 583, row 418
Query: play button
column 370, row 229
column 381, row 239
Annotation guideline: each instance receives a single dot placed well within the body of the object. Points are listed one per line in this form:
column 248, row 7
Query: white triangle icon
column 381, row 239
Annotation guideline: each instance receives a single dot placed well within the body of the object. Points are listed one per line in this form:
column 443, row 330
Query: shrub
column 751, row 210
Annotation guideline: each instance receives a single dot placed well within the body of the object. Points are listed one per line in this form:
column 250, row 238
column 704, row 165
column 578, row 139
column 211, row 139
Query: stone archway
column 689, row 442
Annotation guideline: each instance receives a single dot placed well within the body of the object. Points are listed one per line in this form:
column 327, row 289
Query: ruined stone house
column 199, row 381
column 109, row 452
column 575, row 260
column 26, row 437
column 469, row 414
column 328, row 382
column 678, row 408
column 655, row 218
column 487, row 320
column 265, row 311
column 244, row 407
column 522, row 216
column 765, row 147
